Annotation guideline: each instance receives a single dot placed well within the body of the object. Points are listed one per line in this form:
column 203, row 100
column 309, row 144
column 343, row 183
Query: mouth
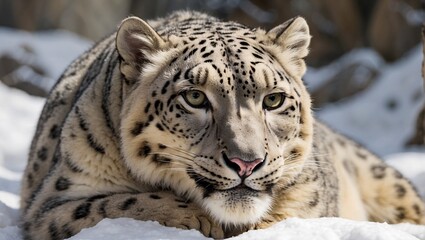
column 241, row 187
column 210, row 188
column 242, row 192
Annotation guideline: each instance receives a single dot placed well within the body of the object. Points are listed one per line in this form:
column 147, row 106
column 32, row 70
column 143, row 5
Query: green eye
column 195, row 98
column 273, row 101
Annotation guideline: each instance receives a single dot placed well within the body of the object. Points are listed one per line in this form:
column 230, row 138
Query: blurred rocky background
column 390, row 28
column 418, row 138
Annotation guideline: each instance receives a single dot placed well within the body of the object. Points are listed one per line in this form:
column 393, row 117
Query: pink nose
column 246, row 168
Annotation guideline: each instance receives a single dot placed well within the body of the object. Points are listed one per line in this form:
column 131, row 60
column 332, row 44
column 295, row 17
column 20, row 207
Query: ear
column 135, row 42
column 293, row 36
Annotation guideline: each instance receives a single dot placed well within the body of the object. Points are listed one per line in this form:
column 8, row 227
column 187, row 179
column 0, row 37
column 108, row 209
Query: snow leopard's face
column 219, row 114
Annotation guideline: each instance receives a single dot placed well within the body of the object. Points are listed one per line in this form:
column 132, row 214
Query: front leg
column 59, row 217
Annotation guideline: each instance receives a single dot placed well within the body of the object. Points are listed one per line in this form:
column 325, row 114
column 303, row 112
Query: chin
column 238, row 206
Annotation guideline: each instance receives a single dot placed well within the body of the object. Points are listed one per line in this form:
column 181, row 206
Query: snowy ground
column 363, row 117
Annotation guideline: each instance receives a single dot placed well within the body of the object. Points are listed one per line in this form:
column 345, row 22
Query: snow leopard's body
column 197, row 123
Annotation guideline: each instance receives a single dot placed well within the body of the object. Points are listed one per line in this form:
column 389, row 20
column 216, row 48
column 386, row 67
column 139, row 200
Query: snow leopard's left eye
column 273, row 101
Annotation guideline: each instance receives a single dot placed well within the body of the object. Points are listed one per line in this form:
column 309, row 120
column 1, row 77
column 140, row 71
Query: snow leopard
column 198, row 123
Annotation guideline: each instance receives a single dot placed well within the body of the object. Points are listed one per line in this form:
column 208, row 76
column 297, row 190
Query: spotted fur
column 202, row 124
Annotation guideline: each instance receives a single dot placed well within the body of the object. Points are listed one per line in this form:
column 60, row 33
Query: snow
column 364, row 117
column 291, row 229
column 383, row 117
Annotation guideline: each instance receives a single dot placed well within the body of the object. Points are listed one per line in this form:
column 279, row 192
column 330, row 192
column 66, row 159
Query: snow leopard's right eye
column 195, row 98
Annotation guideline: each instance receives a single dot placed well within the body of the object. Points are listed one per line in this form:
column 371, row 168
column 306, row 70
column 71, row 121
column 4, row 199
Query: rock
column 19, row 72
column 394, row 27
column 93, row 19
column 336, row 26
column 25, row 79
column 349, row 80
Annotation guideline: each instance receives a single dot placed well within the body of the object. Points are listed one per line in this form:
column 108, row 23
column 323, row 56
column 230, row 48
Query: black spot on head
column 82, row 211
column 164, row 88
column 150, row 119
column 185, row 50
column 158, row 106
column 177, row 76
column 378, row 171
column 159, row 126
column 257, row 56
column 205, row 55
column 54, row 132
column 128, row 203
column 154, row 196
column 243, row 43
column 147, row 107
column 62, row 184
column 183, row 206
column 137, row 129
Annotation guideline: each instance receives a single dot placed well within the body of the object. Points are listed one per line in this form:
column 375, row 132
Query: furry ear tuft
column 135, row 42
column 293, row 36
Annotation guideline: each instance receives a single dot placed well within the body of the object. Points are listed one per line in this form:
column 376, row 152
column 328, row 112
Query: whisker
column 181, row 150
column 172, row 169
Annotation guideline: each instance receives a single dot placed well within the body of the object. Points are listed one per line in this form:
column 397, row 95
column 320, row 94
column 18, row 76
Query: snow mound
column 133, row 229
column 290, row 229
column 333, row 229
